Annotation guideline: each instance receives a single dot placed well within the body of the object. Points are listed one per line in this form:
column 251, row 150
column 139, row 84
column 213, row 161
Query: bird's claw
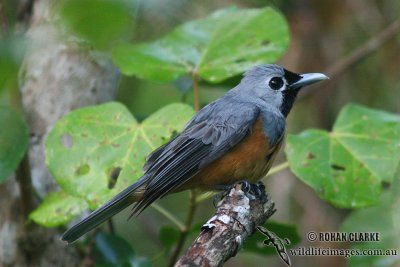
column 251, row 190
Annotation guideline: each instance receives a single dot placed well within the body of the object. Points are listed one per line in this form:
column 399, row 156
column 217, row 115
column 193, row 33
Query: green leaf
column 255, row 243
column 349, row 165
column 217, row 47
column 57, row 209
column 11, row 53
column 13, row 141
column 381, row 219
column 95, row 152
column 98, row 21
column 169, row 236
column 112, row 250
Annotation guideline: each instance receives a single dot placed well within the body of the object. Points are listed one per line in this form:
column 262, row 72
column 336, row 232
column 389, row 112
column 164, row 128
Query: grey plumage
column 211, row 133
column 214, row 130
column 264, row 93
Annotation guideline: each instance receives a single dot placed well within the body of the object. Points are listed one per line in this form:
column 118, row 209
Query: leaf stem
column 185, row 231
column 278, row 168
column 169, row 216
column 196, row 93
column 205, row 196
column 24, row 179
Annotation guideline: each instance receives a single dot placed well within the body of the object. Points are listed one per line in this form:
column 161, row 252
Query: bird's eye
column 276, row 83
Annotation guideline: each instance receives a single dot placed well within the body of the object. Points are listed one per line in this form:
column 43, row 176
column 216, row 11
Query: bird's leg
column 258, row 189
column 253, row 190
column 225, row 189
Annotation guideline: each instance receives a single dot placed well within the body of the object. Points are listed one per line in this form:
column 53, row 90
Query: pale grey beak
column 309, row 78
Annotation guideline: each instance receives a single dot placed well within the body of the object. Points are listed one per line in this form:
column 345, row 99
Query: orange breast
column 249, row 160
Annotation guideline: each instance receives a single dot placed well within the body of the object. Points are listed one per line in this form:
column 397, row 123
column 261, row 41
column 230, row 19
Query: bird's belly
column 249, row 160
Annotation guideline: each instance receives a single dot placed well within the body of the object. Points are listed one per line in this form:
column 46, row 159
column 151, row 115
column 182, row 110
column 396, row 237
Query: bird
column 234, row 138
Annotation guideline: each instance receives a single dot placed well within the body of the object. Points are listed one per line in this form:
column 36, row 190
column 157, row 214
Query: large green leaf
column 382, row 219
column 98, row 21
column 349, row 165
column 58, row 209
column 13, row 140
column 95, row 152
column 224, row 44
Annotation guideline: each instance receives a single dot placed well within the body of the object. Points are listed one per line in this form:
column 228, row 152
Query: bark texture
column 236, row 218
column 57, row 76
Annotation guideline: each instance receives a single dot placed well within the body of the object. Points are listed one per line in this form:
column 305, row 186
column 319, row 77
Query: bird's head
column 276, row 86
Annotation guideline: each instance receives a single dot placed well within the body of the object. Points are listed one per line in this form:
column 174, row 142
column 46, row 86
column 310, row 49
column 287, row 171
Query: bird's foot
column 251, row 190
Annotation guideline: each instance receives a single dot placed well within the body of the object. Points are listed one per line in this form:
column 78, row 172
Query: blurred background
column 355, row 42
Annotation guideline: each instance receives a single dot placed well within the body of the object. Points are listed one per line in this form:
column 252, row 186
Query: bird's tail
column 118, row 203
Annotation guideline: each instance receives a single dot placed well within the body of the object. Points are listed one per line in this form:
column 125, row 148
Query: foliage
column 348, row 165
column 383, row 219
column 13, row 141
column 99, row 22
column 58, row 209
column 169, row 236
column 92, row 147
column 94, row 152
column 209, row 47
column 14, row 130
column 113, row 251
column 11, row 52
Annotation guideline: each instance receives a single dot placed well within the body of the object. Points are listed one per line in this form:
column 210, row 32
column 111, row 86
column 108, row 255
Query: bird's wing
column 213, row 131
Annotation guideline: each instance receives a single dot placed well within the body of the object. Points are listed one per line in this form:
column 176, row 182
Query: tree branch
column 364, row 50
column 360, row 53
column 236, row 218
